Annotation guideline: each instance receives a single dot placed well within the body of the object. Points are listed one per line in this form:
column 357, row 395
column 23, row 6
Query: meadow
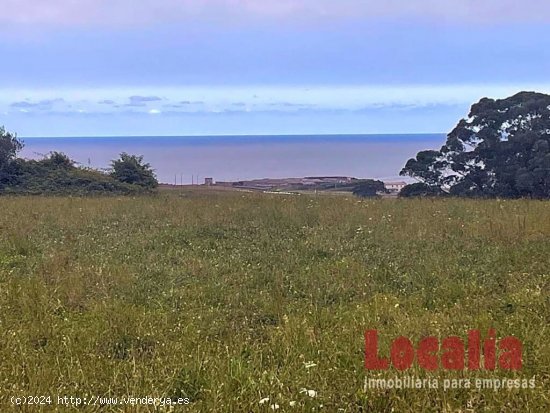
column 247, row 302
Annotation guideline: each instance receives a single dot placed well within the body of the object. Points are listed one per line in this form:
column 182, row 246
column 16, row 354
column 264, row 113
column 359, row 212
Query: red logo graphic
column 450, row 355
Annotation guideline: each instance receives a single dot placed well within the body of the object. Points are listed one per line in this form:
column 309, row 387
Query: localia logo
column 451, row 353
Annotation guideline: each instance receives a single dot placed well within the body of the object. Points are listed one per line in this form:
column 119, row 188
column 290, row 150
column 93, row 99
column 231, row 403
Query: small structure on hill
column 394, row 187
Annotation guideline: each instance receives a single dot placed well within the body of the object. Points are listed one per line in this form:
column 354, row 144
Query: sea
column 191, row 159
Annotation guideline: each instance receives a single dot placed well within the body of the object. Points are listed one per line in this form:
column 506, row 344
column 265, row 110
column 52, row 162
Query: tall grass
column 230, row 298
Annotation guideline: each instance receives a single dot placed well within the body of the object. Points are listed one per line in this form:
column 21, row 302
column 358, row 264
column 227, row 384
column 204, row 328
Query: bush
column 130, row 169
column 369, row 188
column 419, row 190
column 57, row 173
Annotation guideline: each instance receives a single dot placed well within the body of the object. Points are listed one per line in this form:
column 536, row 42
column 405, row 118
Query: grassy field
column 231, row 298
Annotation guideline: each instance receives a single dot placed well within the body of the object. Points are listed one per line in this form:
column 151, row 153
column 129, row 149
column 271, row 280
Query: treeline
column 58, row 174
column 501, row 150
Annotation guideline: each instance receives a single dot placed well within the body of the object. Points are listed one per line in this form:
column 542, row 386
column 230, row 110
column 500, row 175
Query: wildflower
column 264, row 400
column 292, row 403
column 274, row 406
column 310, row 393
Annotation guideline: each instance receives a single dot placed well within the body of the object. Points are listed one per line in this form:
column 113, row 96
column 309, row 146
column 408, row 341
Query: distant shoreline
column 188, row 159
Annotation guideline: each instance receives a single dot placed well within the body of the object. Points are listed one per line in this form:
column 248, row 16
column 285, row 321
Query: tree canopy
column 502, row 149
column 419, row 189
column 369, row 188
column 132, row 170
column 9, row 146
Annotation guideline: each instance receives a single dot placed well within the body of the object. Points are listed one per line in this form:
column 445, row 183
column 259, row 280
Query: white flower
column 310, row 393
column 274, row 406
column 309, row 364
column 396, row 305
column 264, row 400
column 292, row 403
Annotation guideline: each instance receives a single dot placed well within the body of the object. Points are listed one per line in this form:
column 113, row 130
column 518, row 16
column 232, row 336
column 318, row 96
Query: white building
column 394, row 187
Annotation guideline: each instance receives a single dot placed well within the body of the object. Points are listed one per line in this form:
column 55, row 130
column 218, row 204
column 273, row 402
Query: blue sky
column 167, row 67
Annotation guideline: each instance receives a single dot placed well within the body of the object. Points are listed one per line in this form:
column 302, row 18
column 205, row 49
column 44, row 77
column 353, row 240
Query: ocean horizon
column 187, row 159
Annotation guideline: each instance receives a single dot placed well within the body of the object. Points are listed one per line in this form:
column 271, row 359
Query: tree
column 426, row 166
column 10, row 146
column 419, row 189
column 58, row 174
column 58, row 160
column 501, row 149
column 130, row 169
column 369, row 188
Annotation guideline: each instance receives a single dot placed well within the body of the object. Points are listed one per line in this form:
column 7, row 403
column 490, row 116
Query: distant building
column 209, row 181
column 394, row 187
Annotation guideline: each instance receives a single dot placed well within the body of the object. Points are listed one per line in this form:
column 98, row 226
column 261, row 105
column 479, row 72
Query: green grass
column 225, row 297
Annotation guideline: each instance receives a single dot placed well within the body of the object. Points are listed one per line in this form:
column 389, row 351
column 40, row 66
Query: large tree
column 501, row 149
column 131, row 169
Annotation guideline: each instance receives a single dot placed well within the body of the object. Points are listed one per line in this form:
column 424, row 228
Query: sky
column 214, row 67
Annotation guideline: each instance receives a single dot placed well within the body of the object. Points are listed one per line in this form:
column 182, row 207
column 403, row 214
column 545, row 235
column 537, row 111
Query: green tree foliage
column 58, row 174
column 426, row 166
column 369, row 188
column 130, row 169
column 9, row 148
column 58, row 160
column 502, row 149
column 419, row 189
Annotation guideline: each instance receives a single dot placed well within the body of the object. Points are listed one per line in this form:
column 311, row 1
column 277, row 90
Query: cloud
column 144, row 98
column 45, row 104
column 140, row 101
column 106, row 102
column 289, row 105
column 132, row 12
column 289, row 100
column 22, row 105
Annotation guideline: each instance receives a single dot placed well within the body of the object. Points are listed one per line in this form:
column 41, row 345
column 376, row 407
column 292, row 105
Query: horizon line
column 234, row 135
